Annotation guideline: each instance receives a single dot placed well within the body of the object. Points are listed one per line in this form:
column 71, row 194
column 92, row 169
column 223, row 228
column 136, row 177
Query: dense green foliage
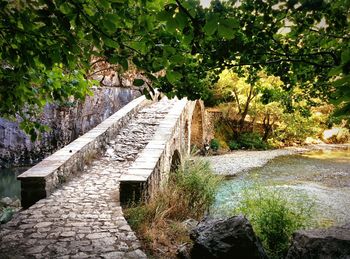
column 274, row 218
column 305, row 43
column 214, row 144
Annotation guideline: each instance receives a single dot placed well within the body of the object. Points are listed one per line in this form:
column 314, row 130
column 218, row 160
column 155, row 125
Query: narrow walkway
column 83, row 219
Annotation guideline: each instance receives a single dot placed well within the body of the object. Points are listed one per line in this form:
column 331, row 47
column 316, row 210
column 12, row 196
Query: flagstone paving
column 83, row 218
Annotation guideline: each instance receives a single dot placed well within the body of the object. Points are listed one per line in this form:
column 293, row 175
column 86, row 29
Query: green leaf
column 110, row 43
column 104, row 3
column 139, row 46
column 112, row 22
column 177, row 59
column 138, row 82
column 173, row 76
column 225, row 29
column 181, row 20
column 65, row 8
column 124, row 63
column 211, row 26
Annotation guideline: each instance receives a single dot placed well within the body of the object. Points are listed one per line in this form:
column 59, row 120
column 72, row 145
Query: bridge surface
column 83, row 217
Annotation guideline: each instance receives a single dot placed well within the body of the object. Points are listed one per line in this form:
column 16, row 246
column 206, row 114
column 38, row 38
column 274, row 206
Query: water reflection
column 9, row 185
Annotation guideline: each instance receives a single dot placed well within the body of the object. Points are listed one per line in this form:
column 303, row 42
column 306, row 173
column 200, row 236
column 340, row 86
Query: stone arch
column 175, row 161
column 197, row 134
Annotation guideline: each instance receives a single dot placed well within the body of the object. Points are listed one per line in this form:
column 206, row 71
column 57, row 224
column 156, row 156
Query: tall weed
column 274, row 217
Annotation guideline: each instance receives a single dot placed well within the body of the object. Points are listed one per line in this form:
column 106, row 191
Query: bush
column 274, row 218
column 251, row 140
column 189, row 193
column 233, row 145
column 214, row 144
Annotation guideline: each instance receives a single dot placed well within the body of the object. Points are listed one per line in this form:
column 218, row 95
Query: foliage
column 305, row 44
column 274, row 217
column 188, row 194
column 214, row 144
column 251, row 140
column 295, row 128
column 233, row 145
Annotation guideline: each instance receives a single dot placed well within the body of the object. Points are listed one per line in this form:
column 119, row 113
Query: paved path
column 83, row 218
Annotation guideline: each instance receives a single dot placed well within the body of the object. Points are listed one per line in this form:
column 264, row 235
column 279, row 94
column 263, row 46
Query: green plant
column 274, row 217
column 214, row 144
column 233, row 145
column 251, row 140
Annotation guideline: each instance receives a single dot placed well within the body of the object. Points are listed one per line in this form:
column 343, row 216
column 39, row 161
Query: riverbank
column 245, row 160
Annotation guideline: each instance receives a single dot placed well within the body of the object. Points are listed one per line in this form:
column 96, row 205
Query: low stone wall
column 66, row 123
column 170, row 144
column 39, row 181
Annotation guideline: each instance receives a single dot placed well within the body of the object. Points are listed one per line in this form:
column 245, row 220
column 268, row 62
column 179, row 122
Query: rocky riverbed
column 244, row 160
column 321, row 173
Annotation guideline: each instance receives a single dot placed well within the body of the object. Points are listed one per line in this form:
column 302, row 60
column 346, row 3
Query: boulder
column 6, row 201
column 225, row 238
column 189, row 224
column 333, row 242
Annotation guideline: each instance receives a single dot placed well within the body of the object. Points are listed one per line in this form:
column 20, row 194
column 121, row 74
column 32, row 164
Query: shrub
column 274, row 218
column 251, row 140
column 214, row 144
column 189, row 193
column 233, row 145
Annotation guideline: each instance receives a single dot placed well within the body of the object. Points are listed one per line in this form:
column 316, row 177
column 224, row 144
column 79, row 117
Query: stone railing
column 153, row 165
column 39, row 181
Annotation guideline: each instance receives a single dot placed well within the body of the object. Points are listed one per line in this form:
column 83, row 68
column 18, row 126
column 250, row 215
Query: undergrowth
column 189, row 193
column 274, row 217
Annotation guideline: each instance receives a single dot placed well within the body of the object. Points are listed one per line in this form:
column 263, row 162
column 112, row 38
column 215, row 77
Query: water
column 324, row 176
column 9, row 185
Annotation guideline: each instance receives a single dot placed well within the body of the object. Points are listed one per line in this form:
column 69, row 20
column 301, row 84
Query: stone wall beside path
column 66, row 123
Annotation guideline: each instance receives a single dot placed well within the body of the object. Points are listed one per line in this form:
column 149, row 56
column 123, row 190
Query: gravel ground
column 241, row 161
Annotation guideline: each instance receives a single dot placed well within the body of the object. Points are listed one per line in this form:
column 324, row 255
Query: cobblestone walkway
column 83, row 218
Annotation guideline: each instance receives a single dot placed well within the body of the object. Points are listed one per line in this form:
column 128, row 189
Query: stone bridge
column 73, row 198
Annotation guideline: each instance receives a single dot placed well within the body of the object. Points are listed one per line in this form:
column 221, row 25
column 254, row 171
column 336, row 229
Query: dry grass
column 188, row 194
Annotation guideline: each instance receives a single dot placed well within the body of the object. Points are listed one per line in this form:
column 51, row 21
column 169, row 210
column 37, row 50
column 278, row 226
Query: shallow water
column 9, row 185
column 324, row 176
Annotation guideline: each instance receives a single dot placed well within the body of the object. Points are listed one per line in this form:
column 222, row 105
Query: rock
column 6, row 201
column 189, row 224
column 183, row 251
column 6, row 216
column 16, row 203
column 110, row 152
column 333, row 242
column 225, row 238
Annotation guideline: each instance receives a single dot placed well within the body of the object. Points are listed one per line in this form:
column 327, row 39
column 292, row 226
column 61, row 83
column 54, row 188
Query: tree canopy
column 46, row 46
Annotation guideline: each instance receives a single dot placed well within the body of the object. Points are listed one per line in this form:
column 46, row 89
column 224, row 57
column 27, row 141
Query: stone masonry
column 67, row 122
column 83, row 219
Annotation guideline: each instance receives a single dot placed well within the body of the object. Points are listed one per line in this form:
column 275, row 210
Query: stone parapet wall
column 66, row 122
column 39, row 181
column 155, row 163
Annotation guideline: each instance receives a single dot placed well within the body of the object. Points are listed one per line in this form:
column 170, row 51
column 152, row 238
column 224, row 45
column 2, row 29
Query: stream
column 9, row 185
column 323, row 176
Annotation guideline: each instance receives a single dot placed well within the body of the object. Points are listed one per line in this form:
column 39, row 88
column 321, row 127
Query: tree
column 249, row 97
column 46, row 46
